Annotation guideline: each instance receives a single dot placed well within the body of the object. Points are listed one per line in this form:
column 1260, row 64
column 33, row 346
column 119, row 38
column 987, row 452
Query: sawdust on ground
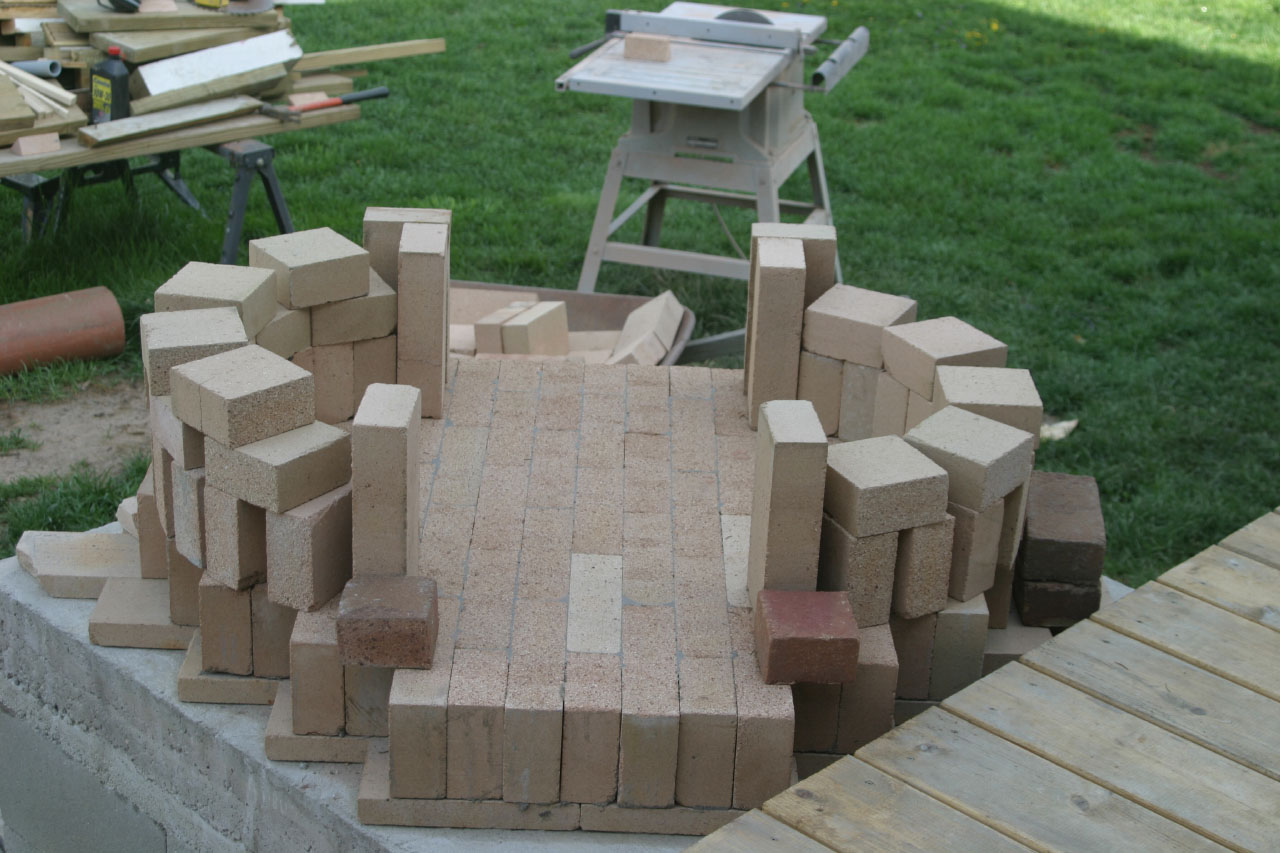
column 101, row 425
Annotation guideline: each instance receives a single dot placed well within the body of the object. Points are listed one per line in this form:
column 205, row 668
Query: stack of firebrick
column 257, row 508
column 883, row 560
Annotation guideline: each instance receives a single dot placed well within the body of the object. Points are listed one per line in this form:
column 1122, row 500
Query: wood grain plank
column 1020, row 794
column 248, row 81
column 755, row 830
column 1162, row 689
column 1199, row 633
column 1259, row 540
column 48, row 124
column 86, row 16
column 15, row 114
column 148, row 45
column 853, row 806
column 227, row 130
column 1232, row 581
column 124, row 129
column 1157, row 769
column 368, row 53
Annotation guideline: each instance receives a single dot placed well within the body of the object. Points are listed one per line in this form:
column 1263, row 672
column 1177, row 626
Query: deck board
column 1215, row 713
column 1154, row 725
column 1201, row 634
column 1137, row 759
column 1231, row 581
column 852, row 805
column 1017, row 792
column 1259, row 540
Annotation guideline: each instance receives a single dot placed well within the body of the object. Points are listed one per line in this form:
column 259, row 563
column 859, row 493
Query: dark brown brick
column 1045, row 604
column 1066, row 538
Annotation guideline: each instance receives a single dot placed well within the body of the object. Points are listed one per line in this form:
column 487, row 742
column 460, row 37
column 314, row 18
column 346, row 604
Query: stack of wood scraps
column 35, row 110
column 188, row 66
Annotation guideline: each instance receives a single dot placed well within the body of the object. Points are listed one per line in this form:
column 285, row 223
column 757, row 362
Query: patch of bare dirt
column 99, row 425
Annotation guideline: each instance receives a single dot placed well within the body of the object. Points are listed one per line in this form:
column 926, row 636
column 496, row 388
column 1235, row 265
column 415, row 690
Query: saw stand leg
column 251, row 159
column 746, row 176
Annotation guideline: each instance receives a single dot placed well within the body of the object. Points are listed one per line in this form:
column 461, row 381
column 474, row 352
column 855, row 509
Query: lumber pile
column 189, row 65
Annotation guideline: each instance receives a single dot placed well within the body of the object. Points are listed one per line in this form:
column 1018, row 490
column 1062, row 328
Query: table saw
column 720, row 121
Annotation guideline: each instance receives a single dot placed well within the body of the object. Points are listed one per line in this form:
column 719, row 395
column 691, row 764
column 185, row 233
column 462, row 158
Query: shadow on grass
column 1104, row 203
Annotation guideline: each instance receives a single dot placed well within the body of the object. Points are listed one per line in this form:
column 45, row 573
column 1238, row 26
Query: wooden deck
column 1153, row 726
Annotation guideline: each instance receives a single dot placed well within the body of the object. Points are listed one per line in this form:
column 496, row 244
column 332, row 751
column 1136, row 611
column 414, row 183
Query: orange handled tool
column 295, row 113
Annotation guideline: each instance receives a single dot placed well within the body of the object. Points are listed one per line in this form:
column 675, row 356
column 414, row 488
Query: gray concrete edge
column 200, row 770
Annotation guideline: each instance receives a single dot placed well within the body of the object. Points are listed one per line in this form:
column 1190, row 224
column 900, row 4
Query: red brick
column 388, row 621
column 805, row 636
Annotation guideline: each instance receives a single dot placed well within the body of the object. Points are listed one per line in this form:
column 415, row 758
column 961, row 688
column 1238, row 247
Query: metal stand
column 716, row 156
column 251, row 159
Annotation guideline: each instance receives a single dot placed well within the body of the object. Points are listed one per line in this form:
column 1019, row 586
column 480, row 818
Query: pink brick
column 271, row 626
column 984, row 459
column 309, row 550
column 766, row 725
column 315, row 670
column 385, row 510
column 889, row 417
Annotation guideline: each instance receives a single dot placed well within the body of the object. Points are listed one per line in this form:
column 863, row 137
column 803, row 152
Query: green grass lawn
column 1094, row 183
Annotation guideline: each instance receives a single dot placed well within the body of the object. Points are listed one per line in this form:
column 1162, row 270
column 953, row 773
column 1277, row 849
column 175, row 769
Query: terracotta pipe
column 80, row 324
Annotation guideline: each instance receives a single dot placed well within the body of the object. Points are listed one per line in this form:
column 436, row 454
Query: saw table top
column 701, row 72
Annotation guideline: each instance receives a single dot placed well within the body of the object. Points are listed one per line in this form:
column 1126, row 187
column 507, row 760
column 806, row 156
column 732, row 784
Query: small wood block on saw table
column 134, row 613
column 194, row 685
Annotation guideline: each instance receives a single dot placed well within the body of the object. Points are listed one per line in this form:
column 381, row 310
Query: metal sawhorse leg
column 251, row 159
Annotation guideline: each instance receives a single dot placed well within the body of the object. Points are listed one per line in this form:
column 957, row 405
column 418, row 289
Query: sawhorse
column 46, row 200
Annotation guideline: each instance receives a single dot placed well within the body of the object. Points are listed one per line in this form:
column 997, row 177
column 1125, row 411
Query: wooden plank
column 48, row 124
column 1019, row 793
column 1191, row 702
column 10, row 12
column 331, row 84
column 159, row 122
column 1149, row 765
column 58, row 34
column 250, row 81
column 1259, row 540
column 853, row 806
column 44, row 88
column 147, row 46
column 1231, row 581
column 15, row 113
column 17, row 54
column 1201, row 634
column 86, row 16
column 225, row 60
column 215, row 133
column 368, row 53
column 755, row 830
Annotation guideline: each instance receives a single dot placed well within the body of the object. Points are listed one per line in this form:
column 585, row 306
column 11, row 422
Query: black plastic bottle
column 110, row 88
